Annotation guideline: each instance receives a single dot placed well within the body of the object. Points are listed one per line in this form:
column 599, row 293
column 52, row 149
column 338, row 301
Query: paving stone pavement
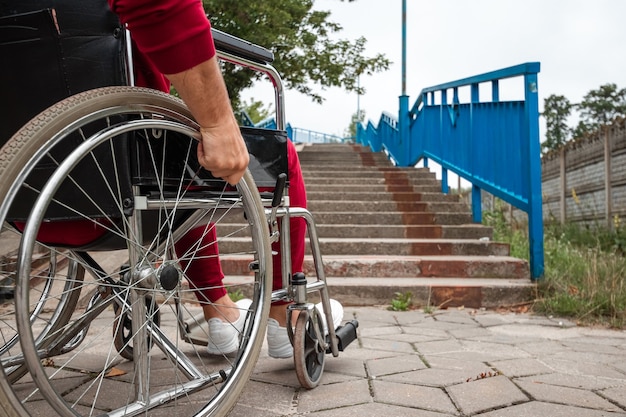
column 453, row 363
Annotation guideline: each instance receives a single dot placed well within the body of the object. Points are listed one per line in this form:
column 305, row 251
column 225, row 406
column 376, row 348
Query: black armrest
column 241, row 48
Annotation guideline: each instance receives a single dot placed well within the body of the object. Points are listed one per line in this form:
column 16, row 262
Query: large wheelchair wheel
column 125, row 234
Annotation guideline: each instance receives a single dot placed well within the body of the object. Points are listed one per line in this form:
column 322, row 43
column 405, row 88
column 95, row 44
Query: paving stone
column 542, row 347
column 432, row 377
column 608, row 347
column 567, row 396
column 407, row 338
column 345, row 365
column 617, row 395
column 620, row 366
column 469, row 367
column 426, row 334
column 587, row 357
column 439, row 347
column 459, row 316
column 470, row 333
column 494, row 350
column 377, row 409
column 425, row 398
column 374, row 316
column 363, row 353
column 387, row 345
column 536, row 330
column 411, row 317
column 486, row 394
column 377, row 332
column 285, row 377
column 255, row 395
column 520, row 367
column 331, row 396
column 444, row 325
column 394, row 365
column 578, row 365
column 536, row 408
column 574, row 381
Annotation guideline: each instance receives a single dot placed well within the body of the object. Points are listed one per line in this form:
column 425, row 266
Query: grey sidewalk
column 453, row 363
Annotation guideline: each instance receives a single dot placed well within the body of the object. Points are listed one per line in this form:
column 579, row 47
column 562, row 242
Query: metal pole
column 403, row 47
column 404, row 147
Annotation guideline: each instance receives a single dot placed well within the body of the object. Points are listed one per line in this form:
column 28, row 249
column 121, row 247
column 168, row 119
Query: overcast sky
column 581, row 45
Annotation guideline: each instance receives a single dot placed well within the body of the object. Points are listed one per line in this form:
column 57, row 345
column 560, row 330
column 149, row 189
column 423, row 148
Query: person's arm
column 176, row 36
column 222, row 149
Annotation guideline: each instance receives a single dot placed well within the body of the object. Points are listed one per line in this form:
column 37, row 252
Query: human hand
column 223, row 152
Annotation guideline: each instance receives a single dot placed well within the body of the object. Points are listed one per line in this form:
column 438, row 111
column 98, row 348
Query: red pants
column 205, row 272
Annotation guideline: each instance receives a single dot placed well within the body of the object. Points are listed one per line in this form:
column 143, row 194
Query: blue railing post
column 535, row 212
column 477, row 204
column 404, row 121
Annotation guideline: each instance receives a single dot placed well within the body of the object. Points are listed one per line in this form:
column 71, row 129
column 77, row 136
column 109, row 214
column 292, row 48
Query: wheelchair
column 97, row 316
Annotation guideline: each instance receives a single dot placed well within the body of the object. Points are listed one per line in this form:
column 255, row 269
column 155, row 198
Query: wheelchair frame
column 310, row 342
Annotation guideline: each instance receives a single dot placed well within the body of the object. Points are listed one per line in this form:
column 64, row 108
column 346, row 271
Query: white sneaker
column 224, row 336
column 337, row 310
column 278, row 344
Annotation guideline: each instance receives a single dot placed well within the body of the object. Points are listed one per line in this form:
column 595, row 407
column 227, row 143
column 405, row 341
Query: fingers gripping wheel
column 309, row 353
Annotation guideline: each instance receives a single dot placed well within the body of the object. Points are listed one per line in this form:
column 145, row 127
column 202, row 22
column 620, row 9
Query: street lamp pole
column 403, row 47
column 403, row 112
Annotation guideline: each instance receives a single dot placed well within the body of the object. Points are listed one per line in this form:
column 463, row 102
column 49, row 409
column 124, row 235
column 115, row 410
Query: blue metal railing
column 296, row 134
column 492, row 144
column 300, row 135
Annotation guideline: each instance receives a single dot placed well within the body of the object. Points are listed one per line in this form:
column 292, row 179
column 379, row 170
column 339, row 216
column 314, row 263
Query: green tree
column 600, row 107
column 358, row 117
column 307, row 54
column 581, row 130
column 556, row 110
column 255, row 110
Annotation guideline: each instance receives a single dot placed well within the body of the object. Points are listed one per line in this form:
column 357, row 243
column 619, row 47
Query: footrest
column 346, row 334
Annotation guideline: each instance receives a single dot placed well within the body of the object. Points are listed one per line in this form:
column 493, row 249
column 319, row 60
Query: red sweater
column 174, row 35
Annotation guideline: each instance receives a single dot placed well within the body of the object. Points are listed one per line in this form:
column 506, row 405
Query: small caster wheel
column 123, row 328
column 308, row 353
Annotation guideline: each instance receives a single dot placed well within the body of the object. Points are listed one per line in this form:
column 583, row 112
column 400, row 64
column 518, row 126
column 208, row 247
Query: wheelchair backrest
column 52, row 49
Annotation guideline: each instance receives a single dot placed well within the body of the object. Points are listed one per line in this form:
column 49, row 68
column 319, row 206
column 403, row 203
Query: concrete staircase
column 385, row 230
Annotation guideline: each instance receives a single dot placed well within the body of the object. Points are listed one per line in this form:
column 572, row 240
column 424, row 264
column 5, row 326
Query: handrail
column 493, row 144
column 301, row 135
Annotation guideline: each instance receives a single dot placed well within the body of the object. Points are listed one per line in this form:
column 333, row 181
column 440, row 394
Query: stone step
column 450, row 266
column 466, row 231
column 379, row 196
column 383, row 206
column 359, row 231
column 373, row 188
column 388, row 247
column 391, row 217
column 348, row 181
column 438, row 292
column 342, row 173
column 313, row 168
